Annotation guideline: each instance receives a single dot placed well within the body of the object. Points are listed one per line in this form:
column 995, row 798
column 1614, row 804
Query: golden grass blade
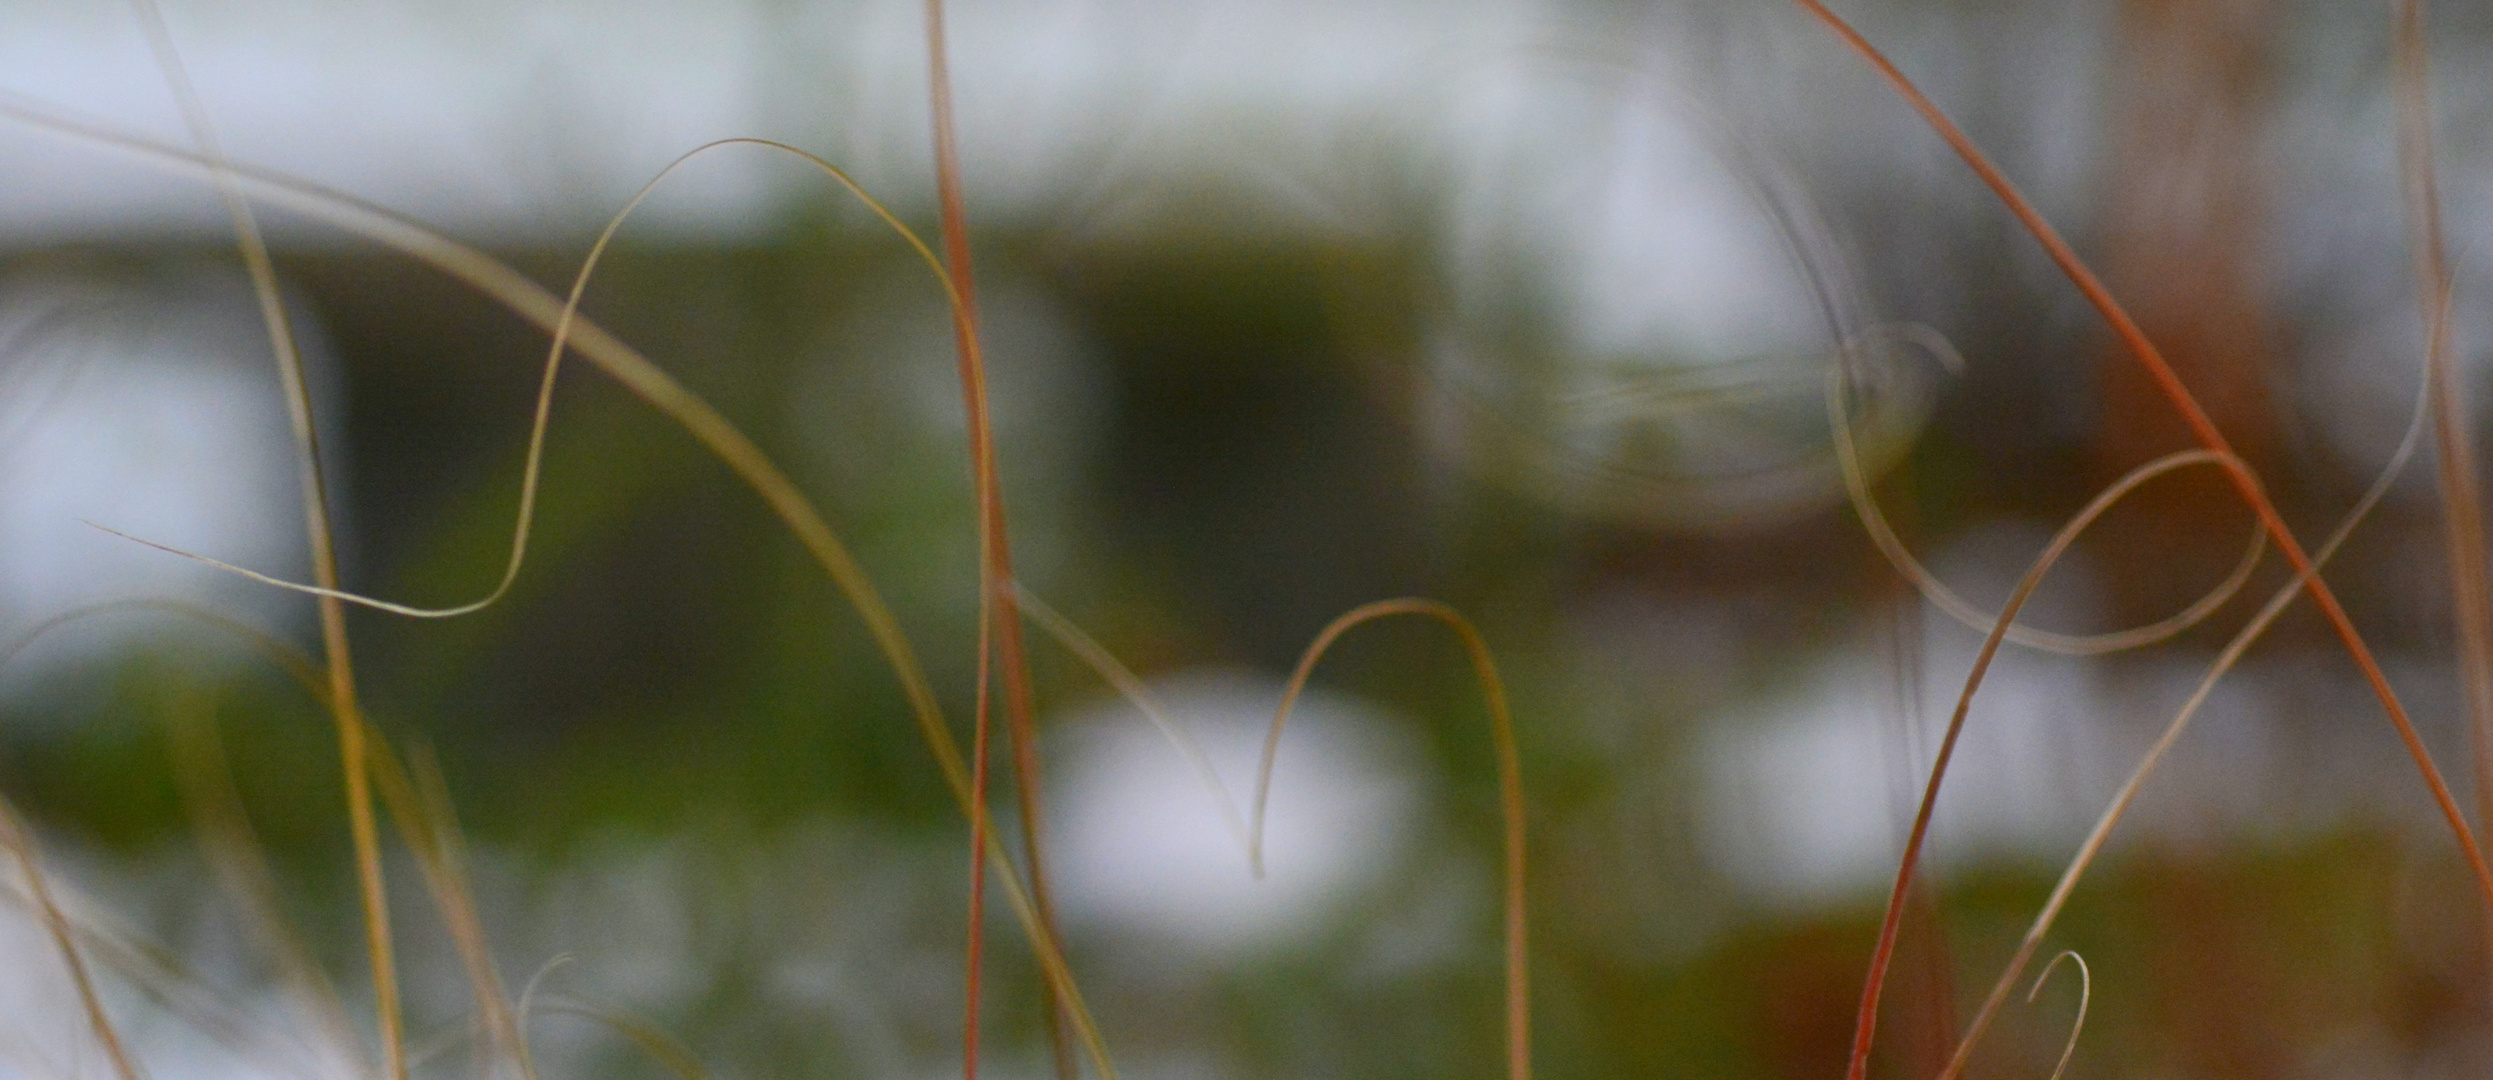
column 1866, row 1024
column 2225, row 661
column 1510, row 792
column 341, row 669
column 645, row 379
column 419, row 803
column 20, row 843
column 1138, row 694
column 1883, row 535
column 233, row 852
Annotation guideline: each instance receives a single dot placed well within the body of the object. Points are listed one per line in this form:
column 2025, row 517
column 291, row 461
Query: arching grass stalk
column 2243, row 639
column 1510, row 792
column 2134, row 340
column 701, row 420
column 1884, row 954
column 340, row 666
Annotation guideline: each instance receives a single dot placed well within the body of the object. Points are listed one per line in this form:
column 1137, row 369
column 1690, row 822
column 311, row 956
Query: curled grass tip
column 2086, row 997
column 1138, row 694
column 1883, row 956
column 1892, row 548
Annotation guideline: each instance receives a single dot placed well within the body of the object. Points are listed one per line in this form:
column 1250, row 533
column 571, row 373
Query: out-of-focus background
column 1528, row 307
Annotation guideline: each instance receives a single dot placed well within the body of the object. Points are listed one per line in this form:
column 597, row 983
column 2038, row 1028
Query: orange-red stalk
column 999, row 618
column 2144, row 351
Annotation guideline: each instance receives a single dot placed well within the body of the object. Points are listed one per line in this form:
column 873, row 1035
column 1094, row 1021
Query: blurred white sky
column 544, row 115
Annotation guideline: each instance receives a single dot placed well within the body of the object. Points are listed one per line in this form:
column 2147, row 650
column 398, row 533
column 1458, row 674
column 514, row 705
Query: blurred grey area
column 1530, row 307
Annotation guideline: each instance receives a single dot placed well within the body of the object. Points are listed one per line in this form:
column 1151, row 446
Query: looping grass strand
column 1883, row 956
column 2225, row 661
column 1883, row 534
column 2086, row 997
column 2134, row 340
column 628, row 366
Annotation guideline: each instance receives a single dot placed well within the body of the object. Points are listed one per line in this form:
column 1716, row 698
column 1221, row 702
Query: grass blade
column 2145, row 353
column 340, row 666
column 1510, row 792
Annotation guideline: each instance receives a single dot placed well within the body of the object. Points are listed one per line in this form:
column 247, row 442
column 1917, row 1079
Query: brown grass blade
column 1883, row 956
column 317, row 529
column 2144, row 351
column 1510, row 792
column 523, row 297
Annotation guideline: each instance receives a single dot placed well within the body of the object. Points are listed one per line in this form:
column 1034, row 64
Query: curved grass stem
column 638, row 374
column 2134, row 341
column 2243, row 639
column 1510, row 792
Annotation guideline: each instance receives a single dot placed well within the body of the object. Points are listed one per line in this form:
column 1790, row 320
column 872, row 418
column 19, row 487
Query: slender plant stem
column 2135, row 341
column 352, row 749
column 1510, row 792
column 1001, row 622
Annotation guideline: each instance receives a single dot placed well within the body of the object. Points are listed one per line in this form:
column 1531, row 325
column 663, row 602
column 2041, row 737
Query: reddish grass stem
column 1000, row 622
column 2135, row 341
